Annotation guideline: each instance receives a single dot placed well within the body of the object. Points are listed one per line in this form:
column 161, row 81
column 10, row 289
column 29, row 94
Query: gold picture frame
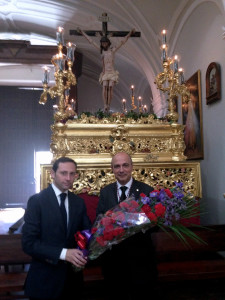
column 213, row 83
column 192, row 119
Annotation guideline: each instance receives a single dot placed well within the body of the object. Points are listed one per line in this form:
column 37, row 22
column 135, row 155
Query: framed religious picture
column 213, row 83
column 192, row 119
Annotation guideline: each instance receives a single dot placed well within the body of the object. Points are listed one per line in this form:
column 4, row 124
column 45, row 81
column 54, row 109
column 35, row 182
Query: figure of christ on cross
column 109, row 76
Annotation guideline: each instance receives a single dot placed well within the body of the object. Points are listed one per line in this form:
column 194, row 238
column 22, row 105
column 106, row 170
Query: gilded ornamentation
column 91, row 179
column 117, row 118
column 164, row 141
column 64, row 79
column 168, row 82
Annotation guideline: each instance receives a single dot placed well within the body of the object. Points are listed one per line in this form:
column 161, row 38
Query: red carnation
column 93, row 230
column 101, row 240
column 146, row 209
column 152, row 217
column 142, row 195
column 160, row 210
column 120, row 217
column 106, row 221
column 169, row 193
column 124, row 204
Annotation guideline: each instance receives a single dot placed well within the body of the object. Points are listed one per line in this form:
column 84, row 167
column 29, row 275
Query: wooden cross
column 104, row 32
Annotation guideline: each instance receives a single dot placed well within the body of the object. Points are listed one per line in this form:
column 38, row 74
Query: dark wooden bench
column 13, row 262
column 177, row 262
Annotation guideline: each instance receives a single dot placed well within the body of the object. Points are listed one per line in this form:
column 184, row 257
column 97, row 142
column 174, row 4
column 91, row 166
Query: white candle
column 73, row 104
column 132, row 90
column 175, row 64
column 59, row 35
column 139, row 101
column 46, row 76
column 61, row 62
column 145, row 108
column 181, row 75
column 124, row 104
column 164, row 36
column 164, row 52
column 70, row 51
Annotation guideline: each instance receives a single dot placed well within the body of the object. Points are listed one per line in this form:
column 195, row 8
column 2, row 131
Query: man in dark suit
column 51, row 220
column 129, row 268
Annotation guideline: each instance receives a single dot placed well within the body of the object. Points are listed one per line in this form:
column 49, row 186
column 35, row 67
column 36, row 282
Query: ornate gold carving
column 117, row 118
column 168, row 82
column 92, row 178
column 164, row 141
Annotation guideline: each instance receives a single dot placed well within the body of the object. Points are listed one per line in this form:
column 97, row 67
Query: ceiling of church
column 138, row 61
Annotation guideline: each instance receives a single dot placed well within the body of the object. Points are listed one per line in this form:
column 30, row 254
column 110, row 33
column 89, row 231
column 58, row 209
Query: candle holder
column 171, row 81
column 63, row 80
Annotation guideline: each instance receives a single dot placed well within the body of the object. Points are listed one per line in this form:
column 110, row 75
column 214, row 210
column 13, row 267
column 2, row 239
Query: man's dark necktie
column 63, row 209
column 123, row 195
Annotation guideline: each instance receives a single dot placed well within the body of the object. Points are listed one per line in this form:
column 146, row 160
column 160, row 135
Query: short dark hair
column 63, row 159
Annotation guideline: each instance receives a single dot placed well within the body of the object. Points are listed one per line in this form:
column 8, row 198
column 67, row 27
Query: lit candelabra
column 171, row 81
column 63, row 79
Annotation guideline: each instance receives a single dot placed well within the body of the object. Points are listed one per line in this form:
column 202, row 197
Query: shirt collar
column 128, row 184
column 57, row 190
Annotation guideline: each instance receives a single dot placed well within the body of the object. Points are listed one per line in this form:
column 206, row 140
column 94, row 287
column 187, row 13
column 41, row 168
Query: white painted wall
column 200, row 42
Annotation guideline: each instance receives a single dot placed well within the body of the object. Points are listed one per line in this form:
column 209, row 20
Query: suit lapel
column 71, row 205
column 112, row 196
column 115, row 193
column 134, row 191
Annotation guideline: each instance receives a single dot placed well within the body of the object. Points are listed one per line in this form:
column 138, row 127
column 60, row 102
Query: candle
column 46, row 76
column 164, row 36
column 145, row 108
column 175, row 64
column 139, row 101
column 181, row 75
column 124, row 104
column 132, row 91
column 73, row 104
column 164, row 52
column 70, row 51
column 59, row 35
column 61, row 61
column 67, row 92
column 55, row 108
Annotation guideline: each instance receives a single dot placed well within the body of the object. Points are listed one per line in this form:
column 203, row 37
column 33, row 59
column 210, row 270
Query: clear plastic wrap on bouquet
column 116, row 225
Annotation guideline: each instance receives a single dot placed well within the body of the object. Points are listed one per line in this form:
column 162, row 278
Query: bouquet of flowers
column 165, row 208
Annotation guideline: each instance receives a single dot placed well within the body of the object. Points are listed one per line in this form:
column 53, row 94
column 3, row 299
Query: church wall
column 200, row 43
column 25, row 128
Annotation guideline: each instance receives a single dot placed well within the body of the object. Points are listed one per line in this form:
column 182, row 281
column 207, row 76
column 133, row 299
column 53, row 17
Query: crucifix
column 104, row 32
column 109, row 76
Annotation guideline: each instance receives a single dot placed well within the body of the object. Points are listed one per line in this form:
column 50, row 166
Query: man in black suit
column 51, row 220
column 129, row 268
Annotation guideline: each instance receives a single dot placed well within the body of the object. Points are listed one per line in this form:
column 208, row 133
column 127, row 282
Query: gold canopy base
column 156, row 147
